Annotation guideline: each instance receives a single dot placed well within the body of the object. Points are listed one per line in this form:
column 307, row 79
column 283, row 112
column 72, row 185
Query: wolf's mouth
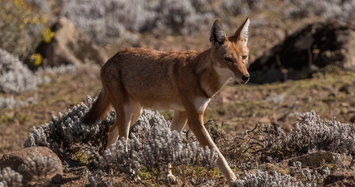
column 235, row 78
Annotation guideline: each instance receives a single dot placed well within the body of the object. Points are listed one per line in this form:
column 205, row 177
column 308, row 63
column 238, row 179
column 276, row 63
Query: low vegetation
column 152, row 146
column 301, row 118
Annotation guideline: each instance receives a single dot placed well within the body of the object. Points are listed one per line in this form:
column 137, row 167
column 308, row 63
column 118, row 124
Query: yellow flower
column 36, row 58
column 25, row 20
column 16, row 2
column 22, row 26
column 44, row 20
column 35, row 20
column 48, row 35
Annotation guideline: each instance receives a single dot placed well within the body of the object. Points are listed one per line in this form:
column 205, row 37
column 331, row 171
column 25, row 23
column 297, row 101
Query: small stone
column 17, row 161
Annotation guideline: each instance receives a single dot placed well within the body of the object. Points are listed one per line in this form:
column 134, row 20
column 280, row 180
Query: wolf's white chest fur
column 201, row 103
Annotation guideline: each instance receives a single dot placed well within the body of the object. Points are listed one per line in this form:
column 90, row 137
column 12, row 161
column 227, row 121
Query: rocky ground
column 327, row 90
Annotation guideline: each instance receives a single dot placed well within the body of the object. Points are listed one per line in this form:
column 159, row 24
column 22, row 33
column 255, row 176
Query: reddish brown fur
column 184, row 81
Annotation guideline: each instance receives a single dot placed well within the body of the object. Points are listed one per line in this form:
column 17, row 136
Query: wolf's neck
column 223, row 74
column 212, row 78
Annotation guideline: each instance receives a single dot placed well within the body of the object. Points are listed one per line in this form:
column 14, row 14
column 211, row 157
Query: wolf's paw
column 171, row 178
column 137, row 179
column 233, row 183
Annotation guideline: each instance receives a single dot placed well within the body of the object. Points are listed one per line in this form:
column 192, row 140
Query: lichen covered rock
column 37, row 165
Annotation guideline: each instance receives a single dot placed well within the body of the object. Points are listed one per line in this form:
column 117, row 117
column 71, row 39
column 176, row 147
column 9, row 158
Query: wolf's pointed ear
column 242, row 33
column 218, row 37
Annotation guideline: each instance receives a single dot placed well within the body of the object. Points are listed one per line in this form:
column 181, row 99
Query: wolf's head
column 230, row 54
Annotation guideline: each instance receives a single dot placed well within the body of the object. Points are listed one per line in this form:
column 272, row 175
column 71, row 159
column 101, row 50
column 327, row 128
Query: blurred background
column 301, row 56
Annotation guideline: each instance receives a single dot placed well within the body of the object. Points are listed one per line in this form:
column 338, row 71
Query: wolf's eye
column 227, row 59
column 244, row 57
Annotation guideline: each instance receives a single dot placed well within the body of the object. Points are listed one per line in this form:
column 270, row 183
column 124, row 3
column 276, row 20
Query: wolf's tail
column 98, row 109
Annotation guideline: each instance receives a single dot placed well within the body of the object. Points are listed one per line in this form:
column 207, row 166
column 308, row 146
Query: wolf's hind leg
column 121, row 127
column 178, row 123
column 121, row 103
column 137, row 111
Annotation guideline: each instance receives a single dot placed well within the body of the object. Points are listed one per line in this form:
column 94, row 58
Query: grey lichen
column 11, row 102
column 16, row 77
column 311, row 133
column 306, row 174
column 65, row 134
column 152, row 145
column 264, row 179
column 209, row 183
column 41, row 167
column 10, row 178
column 160, row 17
column 326, row 10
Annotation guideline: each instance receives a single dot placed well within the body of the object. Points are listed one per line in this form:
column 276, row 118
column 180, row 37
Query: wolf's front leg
column 196, row 125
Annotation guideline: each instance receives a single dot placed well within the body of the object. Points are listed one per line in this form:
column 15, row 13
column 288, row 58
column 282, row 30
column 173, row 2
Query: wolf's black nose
column 245, row 77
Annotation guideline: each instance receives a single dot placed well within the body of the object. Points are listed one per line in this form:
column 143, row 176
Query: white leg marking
column 114, row 133
column 201, row 103
column 222, row 164
column 128, row 109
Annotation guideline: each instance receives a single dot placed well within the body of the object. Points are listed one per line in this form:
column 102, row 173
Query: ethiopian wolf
column 138, row 78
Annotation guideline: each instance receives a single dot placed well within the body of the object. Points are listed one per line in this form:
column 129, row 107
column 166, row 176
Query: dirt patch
column 340, row 178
